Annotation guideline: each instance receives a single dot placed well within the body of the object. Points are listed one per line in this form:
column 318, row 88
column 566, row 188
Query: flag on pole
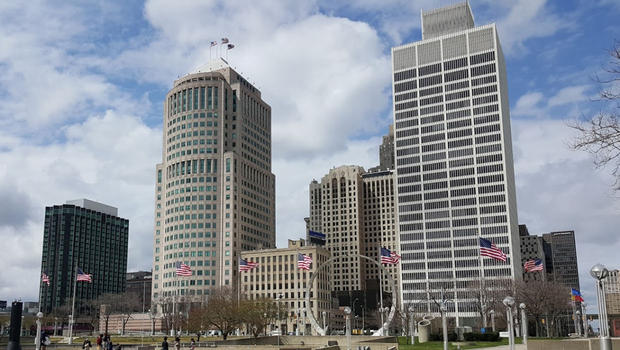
column 183, row 270
column 245, row 265
column 303, row 261
column 224, row 40
column 45, row 278
column 213, row 43
column 231, row 46
column 84, row 277
column 389, row 257
column 489, row 249
column 576, row 295
column 533, row 265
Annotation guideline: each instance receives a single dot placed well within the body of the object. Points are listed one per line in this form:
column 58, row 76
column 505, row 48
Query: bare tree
column 544, row 300
column 258, row 314
column 221, row 311
column 125, row 305
column 600, row 135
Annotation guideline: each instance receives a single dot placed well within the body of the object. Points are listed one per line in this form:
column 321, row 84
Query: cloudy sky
column 82, row 85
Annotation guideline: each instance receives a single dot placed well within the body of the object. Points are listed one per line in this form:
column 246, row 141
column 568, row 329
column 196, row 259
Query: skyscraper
column 455, row 177
column 215, row 192
column 87, row 235
column 561, row 258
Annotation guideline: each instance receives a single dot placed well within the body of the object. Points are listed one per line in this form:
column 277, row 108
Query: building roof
column 96, row 206
column 215, row 64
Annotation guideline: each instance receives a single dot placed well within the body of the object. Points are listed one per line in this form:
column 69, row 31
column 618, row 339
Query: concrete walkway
column 506, row 347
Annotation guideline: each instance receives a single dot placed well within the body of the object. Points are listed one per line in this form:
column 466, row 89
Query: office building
column 386, row 153
column 532, row 248
column 561, row 258
column 454, row 163
column 87, row 235
column 355, row 211
column 215, row 192
column 278, row 277
column 611, row 287
column 139, row 283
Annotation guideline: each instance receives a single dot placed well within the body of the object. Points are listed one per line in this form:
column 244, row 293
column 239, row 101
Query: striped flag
column 245, row 265
column 576, row 295
column 303, row 261
column 489, row 249
column 183, row 270
column 533, row 265
column 224, row 40
column 230, row 46
column 45, row 278
column 84, row 277
column 213, row 43
column 389, row 257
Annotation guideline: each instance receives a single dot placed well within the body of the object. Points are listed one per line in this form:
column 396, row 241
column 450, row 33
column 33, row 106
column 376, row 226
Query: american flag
column 533, row 265
column 245, row 265
column 224, row 40
column 45, row 278
column 230, row 46
column 388, row 257
column 303, row 261
column 183, row 270
column 83, row 277
column 488, row 248
column 213, row 43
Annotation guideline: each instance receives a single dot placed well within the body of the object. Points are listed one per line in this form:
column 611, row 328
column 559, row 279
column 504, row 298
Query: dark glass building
column 88, row 235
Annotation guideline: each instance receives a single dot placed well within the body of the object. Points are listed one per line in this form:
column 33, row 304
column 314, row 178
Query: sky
column 82, row 87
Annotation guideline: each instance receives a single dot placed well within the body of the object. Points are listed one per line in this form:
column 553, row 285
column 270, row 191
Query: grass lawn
column 139, row 340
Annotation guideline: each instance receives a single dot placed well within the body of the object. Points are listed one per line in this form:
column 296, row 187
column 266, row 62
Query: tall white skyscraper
column 455, row 177
column 215, row 192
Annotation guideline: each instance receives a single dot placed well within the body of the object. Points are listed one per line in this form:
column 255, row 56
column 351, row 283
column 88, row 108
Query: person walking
column 86, row 345
column 177, row 343
column 192, row 344
column 164, row 344
column 99, row 341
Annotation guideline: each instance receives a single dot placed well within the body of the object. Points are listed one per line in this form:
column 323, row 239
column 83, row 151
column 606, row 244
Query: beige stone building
column 279, row 278
column 215, row 192
column 612, row 296
column 355, row 210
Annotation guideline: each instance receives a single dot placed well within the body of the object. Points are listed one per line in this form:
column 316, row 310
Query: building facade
column 611, row 287
column 279, row 278
column 87, row 235
column 386, row 153
column 454, row 164
column 139, row 283
column 532, row 248
column 215, row 192
column 355, row 211
column 561, row 258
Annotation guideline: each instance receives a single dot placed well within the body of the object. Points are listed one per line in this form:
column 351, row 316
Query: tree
column 105, row 302
column 600, row 135
column 258, row 314
column 221, row 311
column 544, row 299
column 125, row 305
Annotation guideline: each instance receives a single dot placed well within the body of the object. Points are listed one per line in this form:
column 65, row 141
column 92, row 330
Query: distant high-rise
column 532, row 248
column 561, row 258
column 215, row 192
column 386, row 153
column 355, row 211
column 87, row 235
column 454, row 166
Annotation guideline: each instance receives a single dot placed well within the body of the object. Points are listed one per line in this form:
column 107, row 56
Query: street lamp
column 599, row 273
column 492, row 312
column 324, row 314
column 355, row 312
column 584, row 319
column 411, row 310
column 509, row 303
column 347, row 316
column 278, row 298
column 523, row 323
column 578, row 322
column 383, row 310
column 38, row 338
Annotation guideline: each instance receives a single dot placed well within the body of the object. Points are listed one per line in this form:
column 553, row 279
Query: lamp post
column 509, row 303
column 411, row 310
column 584, row 319
column 599, row 273
column 523, row 323
column 383, row 310
column 278, row 298
column 354, row 311
column 492, row 312
column 578, row 322
column 37, row 340
column 324, row 314
column 347, row 316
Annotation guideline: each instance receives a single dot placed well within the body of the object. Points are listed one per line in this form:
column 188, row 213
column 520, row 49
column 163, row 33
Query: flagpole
column 40, row 290
column 72, row 319
column 381, row 293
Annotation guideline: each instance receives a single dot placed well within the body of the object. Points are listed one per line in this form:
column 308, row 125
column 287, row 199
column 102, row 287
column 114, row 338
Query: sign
column 503, row 334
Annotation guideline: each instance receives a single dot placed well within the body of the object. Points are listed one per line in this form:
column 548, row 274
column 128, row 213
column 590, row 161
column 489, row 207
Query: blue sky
column 82, row 86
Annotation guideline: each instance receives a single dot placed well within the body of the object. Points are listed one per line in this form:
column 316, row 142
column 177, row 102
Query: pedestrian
column 192, row 344
column 198, row 335
column 86, row 344
column 99, row 341
column 177, row 343
column 164, row 344
column 45, row 340
column 106, row 340
column 110, row 345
